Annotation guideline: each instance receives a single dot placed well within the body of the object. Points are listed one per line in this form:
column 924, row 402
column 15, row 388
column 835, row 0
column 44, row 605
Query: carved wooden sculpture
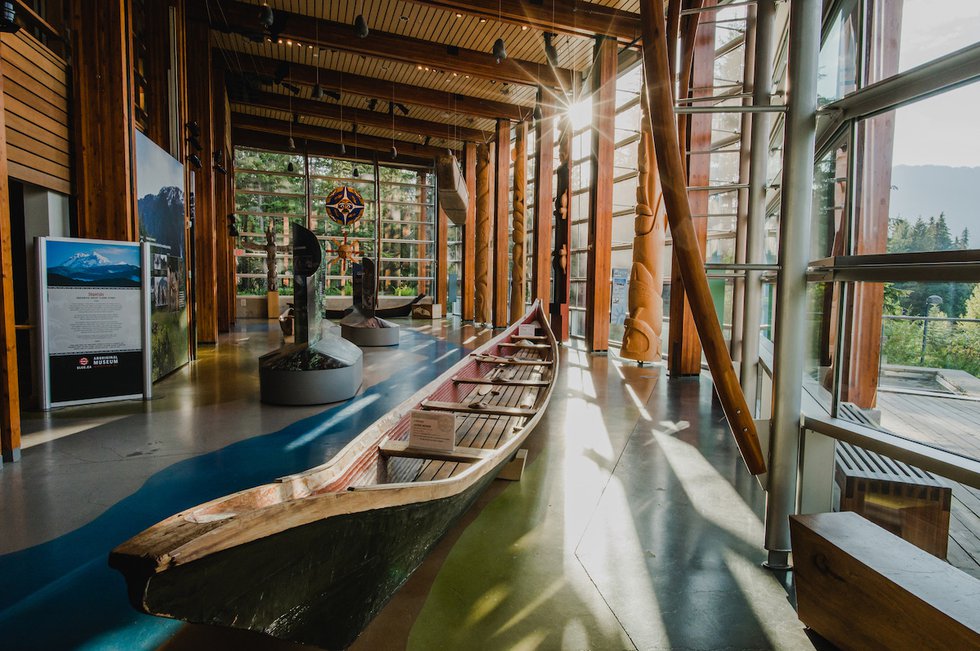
column 644, row 324
column 560, row 260
column 483, row 219
column 686, row 246
column 517, row 291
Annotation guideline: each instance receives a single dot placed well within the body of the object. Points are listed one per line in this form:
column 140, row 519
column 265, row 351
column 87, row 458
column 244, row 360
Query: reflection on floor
column 635, row 525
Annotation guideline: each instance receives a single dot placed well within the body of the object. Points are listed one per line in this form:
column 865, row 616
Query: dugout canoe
column 313, row 557
column 400, row 310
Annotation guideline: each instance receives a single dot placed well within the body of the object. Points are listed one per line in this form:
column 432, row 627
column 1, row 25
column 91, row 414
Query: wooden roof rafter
column 382, row 119
column 571, row 17
column 245, row 137
column 300, row 130
column 240, row 17
column 265, row 69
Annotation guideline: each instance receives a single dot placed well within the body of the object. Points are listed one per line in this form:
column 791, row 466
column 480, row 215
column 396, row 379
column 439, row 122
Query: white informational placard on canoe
column 432, row 430
column 94, row 317
column 526, row 330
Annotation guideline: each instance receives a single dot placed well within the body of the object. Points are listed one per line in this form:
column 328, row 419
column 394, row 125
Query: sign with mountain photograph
column 160, row 188
column 93, row 322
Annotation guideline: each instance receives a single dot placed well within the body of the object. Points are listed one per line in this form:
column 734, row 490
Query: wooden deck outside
column 954, row 425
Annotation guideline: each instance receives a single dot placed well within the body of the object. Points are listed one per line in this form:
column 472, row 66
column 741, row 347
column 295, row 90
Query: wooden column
column 442, row 259
column 468, row 280
column 224, row 202
column 684, row 353
column 563, row 233
column 103, row 120
column 517, row 284
column 544, row 170
column 501, row 240
column 484, row 223
column 599, row 259
column 200, row 109
column 9, row 388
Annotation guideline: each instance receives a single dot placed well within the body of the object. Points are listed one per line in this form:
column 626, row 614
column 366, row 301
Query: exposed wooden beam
column 241, row 17
column 374, row 143
column 467, row 281
column 599, row 262
column 544, row 147
column 275, row 142
column 9, row 389
column 562, row 16
column 332, row 111
column 370, row 87
column 501, row 203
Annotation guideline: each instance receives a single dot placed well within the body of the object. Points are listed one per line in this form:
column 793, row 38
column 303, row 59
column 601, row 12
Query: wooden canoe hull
column 318, row 584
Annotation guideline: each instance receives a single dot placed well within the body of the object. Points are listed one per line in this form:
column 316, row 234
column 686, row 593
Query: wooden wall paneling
column 36, row 112
column 697, row 71
column 442, row 261
column 200, row 110
column 518, row 258
column 157, row 43
column 563, row 233
column 102, row 114
column 544, row 170
column 468, row 279
column 599, row 258
column 484, row 232
column 9, row 390
column 501, row 238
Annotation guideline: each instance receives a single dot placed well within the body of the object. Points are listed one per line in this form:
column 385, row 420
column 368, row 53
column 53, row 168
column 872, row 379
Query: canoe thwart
column 523, row 344
column 501, row 382
column 496, row 359
column 490, row 410
column 391, row 448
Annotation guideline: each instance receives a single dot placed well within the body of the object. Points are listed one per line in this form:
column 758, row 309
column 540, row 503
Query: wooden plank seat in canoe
column 513, row 361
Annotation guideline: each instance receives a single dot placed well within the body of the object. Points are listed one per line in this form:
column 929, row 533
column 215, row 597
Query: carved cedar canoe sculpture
column 313, row 557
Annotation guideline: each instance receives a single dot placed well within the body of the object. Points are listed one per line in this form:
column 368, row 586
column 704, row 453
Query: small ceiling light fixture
column 266, row 17
column 8, row 19
column 292, row 147
column 499, row 49
column 401, row 107
column 393, row 153
column 318, row 92
column 550, row 51
column 372, row 104
column 361, row 27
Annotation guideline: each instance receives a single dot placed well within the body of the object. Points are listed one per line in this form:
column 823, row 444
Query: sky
column 60, row 250
column 155, row 168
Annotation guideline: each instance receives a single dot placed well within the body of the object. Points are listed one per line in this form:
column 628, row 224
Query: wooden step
column 501, row 383
column 489, row 410
column 458, row 454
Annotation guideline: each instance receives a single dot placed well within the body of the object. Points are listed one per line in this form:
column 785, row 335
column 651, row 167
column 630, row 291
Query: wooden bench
column 907, row 501
column 458, row 454
column 861, row 587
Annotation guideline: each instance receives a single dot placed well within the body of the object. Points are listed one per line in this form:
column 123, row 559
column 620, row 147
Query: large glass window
column 408, row 249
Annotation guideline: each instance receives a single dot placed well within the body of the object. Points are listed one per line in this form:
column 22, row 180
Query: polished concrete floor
column 635, row 525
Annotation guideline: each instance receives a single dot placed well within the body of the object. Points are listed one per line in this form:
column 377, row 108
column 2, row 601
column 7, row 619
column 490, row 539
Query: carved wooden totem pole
column 517, row 288
column 483, row 219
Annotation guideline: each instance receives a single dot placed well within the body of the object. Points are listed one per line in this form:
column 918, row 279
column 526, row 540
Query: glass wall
column 273, row 189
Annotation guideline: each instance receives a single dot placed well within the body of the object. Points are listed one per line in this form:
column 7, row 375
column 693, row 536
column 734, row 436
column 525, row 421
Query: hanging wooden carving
column 644, row 324
column 517, row 288
column 483, row 219
column 560, row 256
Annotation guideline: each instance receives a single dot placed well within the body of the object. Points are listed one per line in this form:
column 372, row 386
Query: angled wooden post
column 599, row 259
column 517, row 281
column 501, row 240
column 544, row 169
column 483, row 235
column 468, row 279
column 686, row 245
column 9, row 389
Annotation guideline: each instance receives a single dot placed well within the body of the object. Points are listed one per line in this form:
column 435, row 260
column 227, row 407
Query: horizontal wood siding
column 36, row 111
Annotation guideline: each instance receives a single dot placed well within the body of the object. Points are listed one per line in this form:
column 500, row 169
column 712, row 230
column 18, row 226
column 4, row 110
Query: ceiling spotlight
column 483, row 20
column 372, row 104
column 402, row 108
column 550, row 51
column 332, row 94
column 8, row 19
column 318, row 92
column 194, row 160
column 293, row 88
column 360, row 27
column 459, row 15
column 266, row 17
column 537, row 112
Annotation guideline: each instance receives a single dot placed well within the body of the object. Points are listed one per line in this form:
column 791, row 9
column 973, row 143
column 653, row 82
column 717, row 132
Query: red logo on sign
column 83, row 361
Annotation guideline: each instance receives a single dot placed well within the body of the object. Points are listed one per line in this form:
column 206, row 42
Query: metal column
column 794, row 253
column 755, row 229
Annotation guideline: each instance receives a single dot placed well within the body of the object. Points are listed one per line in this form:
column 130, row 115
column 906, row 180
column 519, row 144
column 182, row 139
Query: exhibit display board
column 94, row 320
column 160, row 188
